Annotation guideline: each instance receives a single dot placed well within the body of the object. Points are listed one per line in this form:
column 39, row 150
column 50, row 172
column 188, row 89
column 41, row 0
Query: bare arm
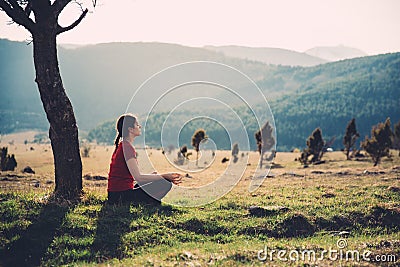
column 133, row 167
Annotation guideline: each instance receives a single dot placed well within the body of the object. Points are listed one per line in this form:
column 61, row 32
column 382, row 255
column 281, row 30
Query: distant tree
column 7, row 162
column 11, row 163
column 42, row 138
column 315, row 148
column 86, row 151
column 235, row 152
column 304, row 157
column 350, row 137
column 396, row 136
column 316, row 145
column 197, row 137
column 40, row 18
column 182, row 155
column 3, row 158
column 380, row 142
column 265, row 140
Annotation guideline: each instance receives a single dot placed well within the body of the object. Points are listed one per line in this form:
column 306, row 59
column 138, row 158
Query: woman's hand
column 173, row 177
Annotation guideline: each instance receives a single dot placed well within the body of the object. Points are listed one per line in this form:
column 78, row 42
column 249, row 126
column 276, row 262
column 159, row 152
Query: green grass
column 36, row 231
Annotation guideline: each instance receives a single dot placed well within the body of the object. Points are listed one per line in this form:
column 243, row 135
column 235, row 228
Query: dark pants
column 158, row 189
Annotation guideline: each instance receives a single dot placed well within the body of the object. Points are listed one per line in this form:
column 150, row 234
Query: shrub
column 315, row 148
column 380, row 142
column 7, row 162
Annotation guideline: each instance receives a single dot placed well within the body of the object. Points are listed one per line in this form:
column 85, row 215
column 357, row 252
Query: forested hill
column 327, row 96
column 367, row 89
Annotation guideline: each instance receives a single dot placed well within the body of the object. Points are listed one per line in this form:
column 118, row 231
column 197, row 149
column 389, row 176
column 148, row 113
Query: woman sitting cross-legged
column 125, row 182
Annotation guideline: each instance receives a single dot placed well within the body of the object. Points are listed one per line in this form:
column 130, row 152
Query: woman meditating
column 125, row 182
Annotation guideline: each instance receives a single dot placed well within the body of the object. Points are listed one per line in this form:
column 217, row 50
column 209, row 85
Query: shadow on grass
column 114, row 221
column 35, row 244
column 30, row 248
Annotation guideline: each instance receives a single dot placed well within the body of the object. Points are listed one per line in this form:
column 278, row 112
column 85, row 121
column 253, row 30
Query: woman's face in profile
column 137, row 129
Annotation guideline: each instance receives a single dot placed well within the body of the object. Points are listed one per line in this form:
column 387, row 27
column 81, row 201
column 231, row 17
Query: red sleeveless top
column 119, row 177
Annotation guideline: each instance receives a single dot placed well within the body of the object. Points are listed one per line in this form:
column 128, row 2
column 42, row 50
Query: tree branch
column 13, row 3
column 28, row 9
column 73, row 25
column 17, row 14
column 6, row 8
column 59, row 5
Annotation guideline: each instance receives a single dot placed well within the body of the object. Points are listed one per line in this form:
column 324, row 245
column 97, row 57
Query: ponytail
column 116, row 142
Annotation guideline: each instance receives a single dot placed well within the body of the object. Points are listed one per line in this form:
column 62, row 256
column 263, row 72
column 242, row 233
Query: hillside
column 19, row 100
column 325, row 96
column 367, row 89
column 100, row 80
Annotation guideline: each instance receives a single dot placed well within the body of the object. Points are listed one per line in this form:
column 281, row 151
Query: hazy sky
column 370, row 25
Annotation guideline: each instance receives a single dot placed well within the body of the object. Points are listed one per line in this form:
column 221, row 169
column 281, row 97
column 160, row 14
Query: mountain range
column 335, row 53
column 100, row 79
column 279, row 56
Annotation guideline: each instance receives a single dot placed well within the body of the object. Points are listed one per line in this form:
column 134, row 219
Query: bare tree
column 40, row 18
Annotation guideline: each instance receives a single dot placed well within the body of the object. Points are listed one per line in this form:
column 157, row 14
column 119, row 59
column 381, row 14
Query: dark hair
column 123, row 123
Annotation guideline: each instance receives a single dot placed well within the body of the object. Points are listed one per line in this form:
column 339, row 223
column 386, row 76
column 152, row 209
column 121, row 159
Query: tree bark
column 63, row 130
column 347, row 153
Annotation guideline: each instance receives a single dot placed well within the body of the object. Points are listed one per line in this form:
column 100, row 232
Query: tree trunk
column 63, row 130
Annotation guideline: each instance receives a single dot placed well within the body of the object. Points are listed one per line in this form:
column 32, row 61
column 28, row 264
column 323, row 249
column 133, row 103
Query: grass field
column 347, row 206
